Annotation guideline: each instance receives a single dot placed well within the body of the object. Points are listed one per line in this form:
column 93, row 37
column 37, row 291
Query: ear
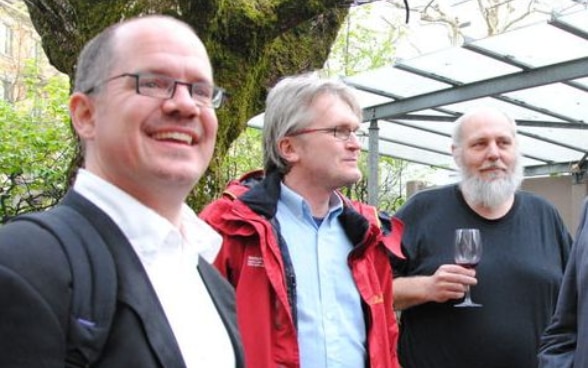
column 288, row 149
column 456, row 153
column 82, row 111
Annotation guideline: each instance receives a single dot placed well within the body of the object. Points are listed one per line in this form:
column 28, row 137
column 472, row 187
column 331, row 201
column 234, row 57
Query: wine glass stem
column 467, row 297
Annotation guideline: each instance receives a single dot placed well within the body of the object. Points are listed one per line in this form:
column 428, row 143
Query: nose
column 359, row 135
column 355, row 140
column 181, row 102
column 493, row 151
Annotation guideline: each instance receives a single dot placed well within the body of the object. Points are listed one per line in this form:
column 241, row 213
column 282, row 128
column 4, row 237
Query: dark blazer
column 35, row 292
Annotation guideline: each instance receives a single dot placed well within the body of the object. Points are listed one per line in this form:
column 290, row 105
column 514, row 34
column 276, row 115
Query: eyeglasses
column 162, row 86
column 342, row 133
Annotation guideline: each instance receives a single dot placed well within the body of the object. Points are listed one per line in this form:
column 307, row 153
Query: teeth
column 177, row 136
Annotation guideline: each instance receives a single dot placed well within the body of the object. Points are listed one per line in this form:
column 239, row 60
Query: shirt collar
column 147, row 231
column 300, row 207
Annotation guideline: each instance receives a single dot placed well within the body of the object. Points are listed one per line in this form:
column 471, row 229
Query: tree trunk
column 251, row 43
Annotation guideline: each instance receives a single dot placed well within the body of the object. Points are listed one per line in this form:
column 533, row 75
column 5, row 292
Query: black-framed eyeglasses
column 164, row 87
column 342, row 133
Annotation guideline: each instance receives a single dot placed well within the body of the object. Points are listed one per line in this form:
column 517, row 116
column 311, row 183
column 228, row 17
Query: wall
column 19, row 43
column 566, row 195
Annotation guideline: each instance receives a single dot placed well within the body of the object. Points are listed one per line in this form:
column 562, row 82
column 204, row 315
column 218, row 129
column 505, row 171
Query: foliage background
column 252, row 43
column 39, row 156
column 36, row 145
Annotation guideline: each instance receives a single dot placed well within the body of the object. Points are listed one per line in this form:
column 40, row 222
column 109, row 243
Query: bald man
column 525, row 249
column 144, row 109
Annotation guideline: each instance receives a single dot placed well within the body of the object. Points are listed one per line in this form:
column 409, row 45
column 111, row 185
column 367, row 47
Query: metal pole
column 373, row 156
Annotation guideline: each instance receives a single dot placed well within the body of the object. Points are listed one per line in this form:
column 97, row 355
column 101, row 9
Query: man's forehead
column 145, row 47
column 157, row 30
column 157, row 23
column 496, row 126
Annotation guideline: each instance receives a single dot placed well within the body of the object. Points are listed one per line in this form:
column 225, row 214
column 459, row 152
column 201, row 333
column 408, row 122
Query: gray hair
column 96, row 60
column 288, row 109
column 458, row 130
column 99, row 55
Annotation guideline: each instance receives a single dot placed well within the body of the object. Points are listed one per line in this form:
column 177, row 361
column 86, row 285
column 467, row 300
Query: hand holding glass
column 468, row 251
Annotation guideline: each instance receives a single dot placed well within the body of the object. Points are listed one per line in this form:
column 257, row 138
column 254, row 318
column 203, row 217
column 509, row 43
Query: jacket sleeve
column 34, row 295
column 559, row 341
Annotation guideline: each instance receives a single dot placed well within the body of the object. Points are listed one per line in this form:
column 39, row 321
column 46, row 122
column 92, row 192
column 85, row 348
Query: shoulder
column 582, row 231
column 368, row 211
column 537, row 210
column 429, row 199
column 435, row 194
column 228, row 206
column 534, row 202
column 34, row 256
column 531, row 197
column 21, row 240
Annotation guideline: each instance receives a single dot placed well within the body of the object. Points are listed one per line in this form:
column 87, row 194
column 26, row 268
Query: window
column 37, row 49
column 5, row 90
column 5, row 39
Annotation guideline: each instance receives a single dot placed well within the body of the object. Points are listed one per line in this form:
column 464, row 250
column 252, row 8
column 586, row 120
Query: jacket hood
column 260, row 192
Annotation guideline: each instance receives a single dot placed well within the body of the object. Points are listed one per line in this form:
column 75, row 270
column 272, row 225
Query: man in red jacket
column 310, row 267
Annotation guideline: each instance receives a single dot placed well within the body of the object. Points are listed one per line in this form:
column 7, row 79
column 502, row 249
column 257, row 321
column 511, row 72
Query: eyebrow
column 157, row 70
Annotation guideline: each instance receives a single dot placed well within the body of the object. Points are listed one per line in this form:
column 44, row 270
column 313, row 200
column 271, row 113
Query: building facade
column 21, row 53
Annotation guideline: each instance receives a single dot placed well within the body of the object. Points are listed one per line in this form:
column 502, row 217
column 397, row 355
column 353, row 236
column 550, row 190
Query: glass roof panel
column 559, row 98
column 426, row 138
column 517, row 112
column 573, row 138
column 549, row 152
column 395, row 81
column 537, row 45
column 578, row 19
column 460, row 65
column 415, row 155
column 370, row 99
column 549, row 99
column 583, row 82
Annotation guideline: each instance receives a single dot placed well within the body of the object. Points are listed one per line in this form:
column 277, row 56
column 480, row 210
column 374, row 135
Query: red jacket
column 251, row 260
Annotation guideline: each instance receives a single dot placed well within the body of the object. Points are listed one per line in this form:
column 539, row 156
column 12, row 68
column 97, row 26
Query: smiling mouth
column 174, row 136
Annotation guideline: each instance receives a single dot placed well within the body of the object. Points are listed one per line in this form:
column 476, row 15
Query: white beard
column 491, row 193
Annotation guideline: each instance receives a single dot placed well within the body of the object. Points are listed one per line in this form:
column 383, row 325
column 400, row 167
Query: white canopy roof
column 538, row 74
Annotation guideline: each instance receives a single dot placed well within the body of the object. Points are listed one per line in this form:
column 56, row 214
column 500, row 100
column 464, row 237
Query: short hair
column 288, row 109
column 99, row 55
column 96, row 60
column 458, row 125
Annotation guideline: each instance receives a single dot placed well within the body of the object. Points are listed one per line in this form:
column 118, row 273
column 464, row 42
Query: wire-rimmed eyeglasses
column 164, row 87
column 342, row 133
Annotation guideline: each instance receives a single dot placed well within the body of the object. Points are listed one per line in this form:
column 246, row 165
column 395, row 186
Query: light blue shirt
column 331, row 326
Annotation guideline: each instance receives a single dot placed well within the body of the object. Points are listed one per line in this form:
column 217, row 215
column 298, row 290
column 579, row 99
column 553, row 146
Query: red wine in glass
column 468, row 251
column 468, row 265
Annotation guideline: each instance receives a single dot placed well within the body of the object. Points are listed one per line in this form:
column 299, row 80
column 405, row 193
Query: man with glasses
column 144, row 109
column 310, row 267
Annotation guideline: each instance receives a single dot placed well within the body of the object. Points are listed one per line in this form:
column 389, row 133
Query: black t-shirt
column 524, row 255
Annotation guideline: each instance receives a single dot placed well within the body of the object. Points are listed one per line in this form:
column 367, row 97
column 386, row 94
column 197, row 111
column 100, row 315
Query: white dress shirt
column 170, row 256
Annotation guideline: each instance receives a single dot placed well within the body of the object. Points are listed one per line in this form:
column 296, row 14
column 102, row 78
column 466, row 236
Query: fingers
column 450, row 282
column 453, row 274
column 457, row 270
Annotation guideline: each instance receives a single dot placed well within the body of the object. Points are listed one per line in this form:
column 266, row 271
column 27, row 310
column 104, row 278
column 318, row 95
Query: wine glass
column 468, row 251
